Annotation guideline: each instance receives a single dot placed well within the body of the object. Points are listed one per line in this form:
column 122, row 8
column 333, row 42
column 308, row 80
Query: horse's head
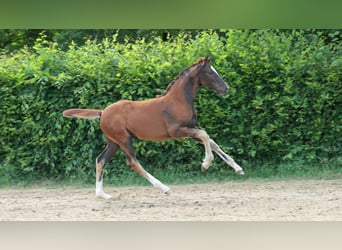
column 209, row 77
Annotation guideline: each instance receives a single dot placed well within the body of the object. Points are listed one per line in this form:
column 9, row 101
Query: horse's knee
column 203, row 136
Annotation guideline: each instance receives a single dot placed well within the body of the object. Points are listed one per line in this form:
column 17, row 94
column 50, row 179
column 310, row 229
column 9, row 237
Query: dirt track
column 312, row 200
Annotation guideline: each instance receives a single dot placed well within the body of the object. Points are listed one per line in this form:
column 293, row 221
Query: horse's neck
column 185, row 89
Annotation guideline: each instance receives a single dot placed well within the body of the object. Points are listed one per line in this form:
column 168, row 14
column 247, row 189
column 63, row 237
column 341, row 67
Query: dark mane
column 180, row 75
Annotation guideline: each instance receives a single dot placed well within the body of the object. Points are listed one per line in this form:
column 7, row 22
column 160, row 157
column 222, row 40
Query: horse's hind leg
column 226, row 157
column 133, row 162
column 101, row 162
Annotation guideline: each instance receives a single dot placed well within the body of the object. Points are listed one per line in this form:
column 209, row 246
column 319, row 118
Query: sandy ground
column 291, row 200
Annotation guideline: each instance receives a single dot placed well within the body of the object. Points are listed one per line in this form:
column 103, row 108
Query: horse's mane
column 180, row 75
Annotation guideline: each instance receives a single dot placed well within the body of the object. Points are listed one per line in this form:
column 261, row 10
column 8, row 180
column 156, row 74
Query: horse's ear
column 207, row 59
column 201, row 60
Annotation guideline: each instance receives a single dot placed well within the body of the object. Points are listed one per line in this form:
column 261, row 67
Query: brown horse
column 169, row 116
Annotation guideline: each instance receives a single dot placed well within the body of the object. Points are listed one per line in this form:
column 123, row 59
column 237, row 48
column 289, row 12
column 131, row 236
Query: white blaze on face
column 213, row 69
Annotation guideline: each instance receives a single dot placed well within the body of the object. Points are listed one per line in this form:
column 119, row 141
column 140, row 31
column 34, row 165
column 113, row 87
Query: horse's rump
column 82, row 113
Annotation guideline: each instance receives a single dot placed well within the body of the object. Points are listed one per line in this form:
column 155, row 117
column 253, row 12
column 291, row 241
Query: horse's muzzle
column 223, row 91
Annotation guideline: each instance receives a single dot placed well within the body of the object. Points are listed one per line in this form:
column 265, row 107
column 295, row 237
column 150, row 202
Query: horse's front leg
column 199, row 135
column 226, row 157
column 209, row 157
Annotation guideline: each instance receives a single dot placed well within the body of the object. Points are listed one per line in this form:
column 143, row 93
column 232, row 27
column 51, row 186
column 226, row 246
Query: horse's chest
column 192, row 119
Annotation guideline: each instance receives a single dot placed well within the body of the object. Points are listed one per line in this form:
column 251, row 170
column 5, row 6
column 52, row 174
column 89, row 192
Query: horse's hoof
column 104, row 196
column 240, row 172
column 203, row 169
column 166, row 190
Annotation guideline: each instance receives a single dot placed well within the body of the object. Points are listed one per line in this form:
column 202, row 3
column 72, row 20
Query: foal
column 169, row 116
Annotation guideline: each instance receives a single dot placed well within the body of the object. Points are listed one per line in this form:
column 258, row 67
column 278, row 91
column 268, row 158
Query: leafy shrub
column 284, row 102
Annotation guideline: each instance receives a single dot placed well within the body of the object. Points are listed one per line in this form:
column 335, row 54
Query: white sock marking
column 157, row 183
column 209, row 157
column 226, row 157
column 100, row 192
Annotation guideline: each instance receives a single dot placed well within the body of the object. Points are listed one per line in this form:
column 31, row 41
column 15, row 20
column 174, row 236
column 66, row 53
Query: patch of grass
column 218, row 172
column 260, row 170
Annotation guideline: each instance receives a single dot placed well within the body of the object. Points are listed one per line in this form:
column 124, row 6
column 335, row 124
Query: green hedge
column 284, row 102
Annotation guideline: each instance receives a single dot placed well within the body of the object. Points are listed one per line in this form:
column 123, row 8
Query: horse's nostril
column 224, row 90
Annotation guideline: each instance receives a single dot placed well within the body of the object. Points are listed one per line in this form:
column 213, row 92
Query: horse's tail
column 82, row 113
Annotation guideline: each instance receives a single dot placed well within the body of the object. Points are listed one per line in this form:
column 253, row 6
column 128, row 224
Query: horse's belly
column 149, row 130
